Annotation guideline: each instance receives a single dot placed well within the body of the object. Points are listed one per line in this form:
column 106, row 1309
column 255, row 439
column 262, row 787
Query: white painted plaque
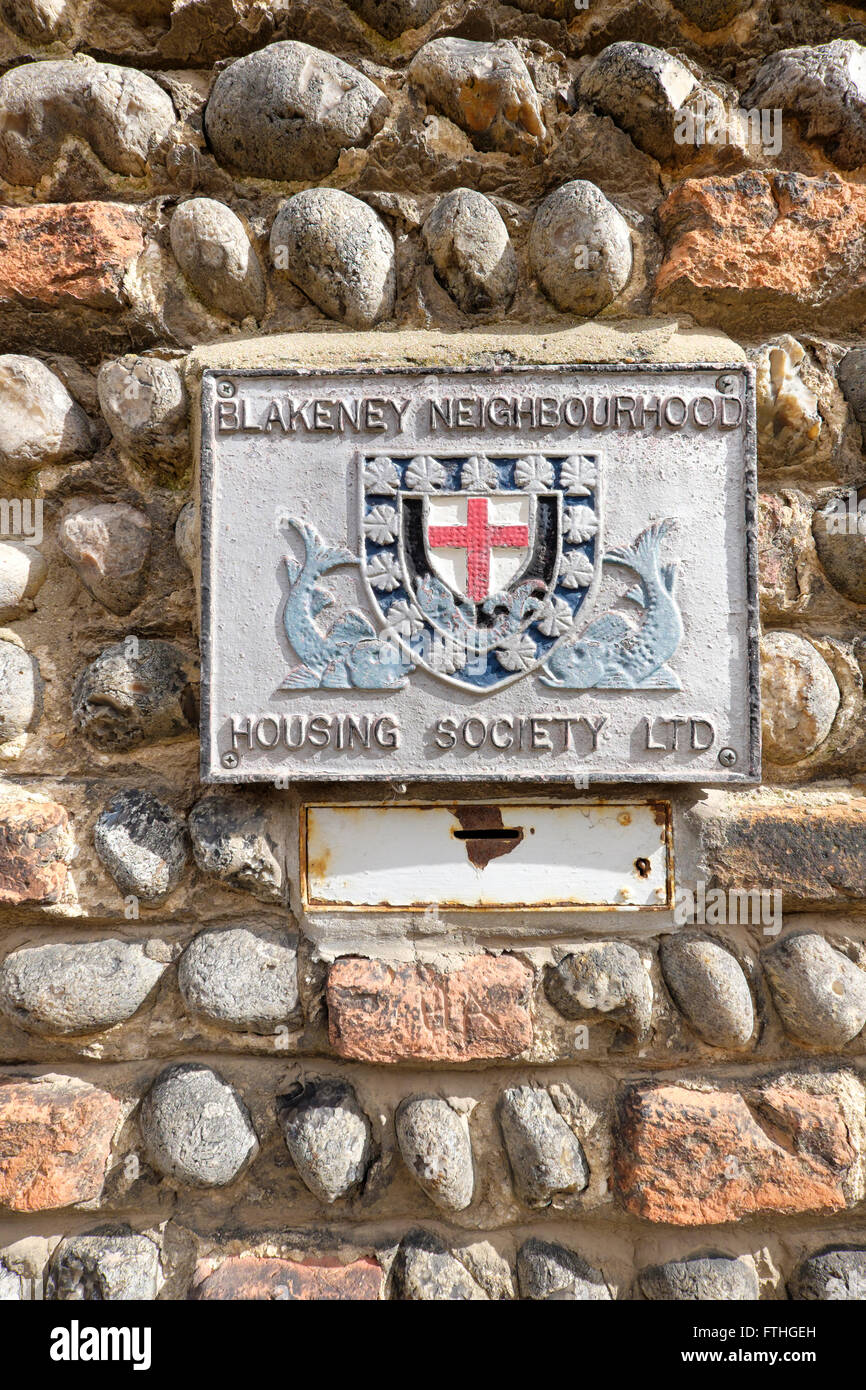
column 609, row 854
column 516, row 573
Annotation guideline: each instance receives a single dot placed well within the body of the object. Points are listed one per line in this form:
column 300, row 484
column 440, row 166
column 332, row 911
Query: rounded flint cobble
column 142, row 843
column 195, row 1128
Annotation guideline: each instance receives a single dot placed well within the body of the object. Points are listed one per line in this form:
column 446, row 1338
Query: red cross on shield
column 478, row 545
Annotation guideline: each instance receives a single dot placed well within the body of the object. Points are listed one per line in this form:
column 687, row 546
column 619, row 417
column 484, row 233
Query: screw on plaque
column 229, row 759
column 225, row 388
column 727, row 757
column 726, row 384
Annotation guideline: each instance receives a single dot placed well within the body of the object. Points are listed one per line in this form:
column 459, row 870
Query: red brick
column 55, row 1142
column 249, row 1277
column 779, row 240
column 381, row 1012
column 63, row 255
column 700, row 1157
column 35, row 847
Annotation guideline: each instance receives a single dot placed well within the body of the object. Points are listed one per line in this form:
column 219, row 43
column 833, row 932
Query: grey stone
column 799, row 697
column 825, row 87
column 426, row 1271
column 211, row 246
column 392, row 17
column 77, row 987
column 288, row 110
column 435, row 1144
column 483, row 87
column 546, row 1157
column 580, row 248
column 123, row 115
column 328, row 1137
column 105, row 1265
column 232, row 840
column 339, row 252
column 196, row 1128
column 708, row 984
column 607, row 978
column 134, row 693
column 712, row 14
column 700, row 1279
column 242, row 978
column 642, row 89
column 11, row 1285
column 40, row 423
column 21, row 689
column 851, row 375
column 146, row 406
column 108, row 546
column 835, row 1275
column 548, row 1271
column 819, row 993
column 23, row 571
column 840, row 540
column 142, row 843
column 471, row 251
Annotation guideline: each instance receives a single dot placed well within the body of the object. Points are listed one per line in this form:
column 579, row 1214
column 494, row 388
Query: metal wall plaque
column 610, row 854
column 517, row 573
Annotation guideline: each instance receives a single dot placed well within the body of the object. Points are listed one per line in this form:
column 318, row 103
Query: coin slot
column 505, row 834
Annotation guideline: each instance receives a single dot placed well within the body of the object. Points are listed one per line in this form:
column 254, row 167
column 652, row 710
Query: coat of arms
column 477, row 568
column 478, row 565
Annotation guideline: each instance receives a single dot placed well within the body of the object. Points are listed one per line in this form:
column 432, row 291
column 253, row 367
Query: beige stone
column 799, row 694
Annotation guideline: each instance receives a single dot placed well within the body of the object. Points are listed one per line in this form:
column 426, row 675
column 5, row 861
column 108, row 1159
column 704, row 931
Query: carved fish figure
column 613, row 653
column 350, row 653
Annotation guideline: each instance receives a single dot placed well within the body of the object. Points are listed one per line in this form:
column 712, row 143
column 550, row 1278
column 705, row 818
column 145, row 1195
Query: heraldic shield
column 479, row 565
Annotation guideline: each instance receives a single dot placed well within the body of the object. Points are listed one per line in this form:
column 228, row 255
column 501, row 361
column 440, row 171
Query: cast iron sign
column 519, row 573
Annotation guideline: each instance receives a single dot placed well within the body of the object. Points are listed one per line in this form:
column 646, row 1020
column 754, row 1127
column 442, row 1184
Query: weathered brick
column 250, row 1277
column 35, row 847
column 695, row 1157
column 811, row 851
column 59, row 256
column 781, row 242
column 55, row 1141
column 381, row 1012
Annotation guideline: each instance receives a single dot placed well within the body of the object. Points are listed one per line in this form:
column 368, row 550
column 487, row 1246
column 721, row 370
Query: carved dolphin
column 350, row 653
column 613, row 653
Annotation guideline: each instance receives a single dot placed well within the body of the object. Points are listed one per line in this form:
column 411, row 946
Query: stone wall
column 201, row 1096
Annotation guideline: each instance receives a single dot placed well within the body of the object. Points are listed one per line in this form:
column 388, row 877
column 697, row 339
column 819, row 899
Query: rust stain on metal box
column 484, row 833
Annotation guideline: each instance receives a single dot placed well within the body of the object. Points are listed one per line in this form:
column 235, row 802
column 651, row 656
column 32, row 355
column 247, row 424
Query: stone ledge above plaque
column 532, row 572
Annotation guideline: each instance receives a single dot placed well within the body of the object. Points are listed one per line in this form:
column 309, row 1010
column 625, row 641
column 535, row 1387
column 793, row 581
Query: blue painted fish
column 613, row 653
column 350, row 654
